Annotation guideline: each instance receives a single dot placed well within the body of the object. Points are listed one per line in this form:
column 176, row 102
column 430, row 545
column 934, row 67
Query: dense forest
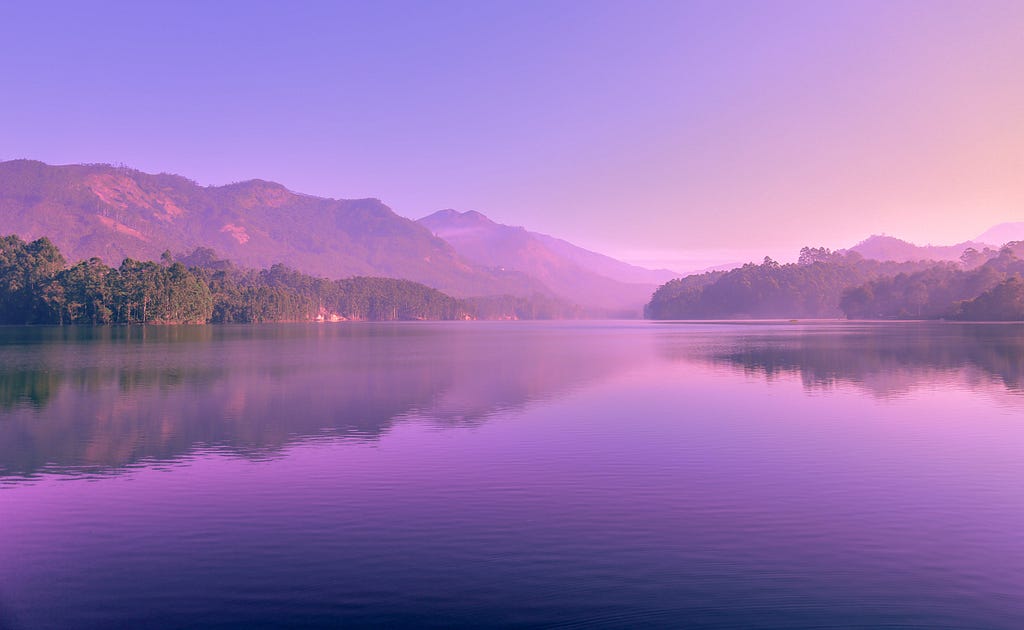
column 38, row 287
column 984, row 285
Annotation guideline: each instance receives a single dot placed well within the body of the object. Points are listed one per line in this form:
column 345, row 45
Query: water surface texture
column 732, row 475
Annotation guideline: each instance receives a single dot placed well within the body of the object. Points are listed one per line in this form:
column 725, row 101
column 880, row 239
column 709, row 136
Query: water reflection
column 87, row 400
column 885, row 359
column 91, row 400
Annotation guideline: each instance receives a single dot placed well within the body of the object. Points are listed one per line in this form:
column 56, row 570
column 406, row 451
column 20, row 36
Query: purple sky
column 673, row 133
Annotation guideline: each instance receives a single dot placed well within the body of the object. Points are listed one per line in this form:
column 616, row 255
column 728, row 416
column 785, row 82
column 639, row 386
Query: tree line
column 993, row 291
column 822, row 283
column 38, row 287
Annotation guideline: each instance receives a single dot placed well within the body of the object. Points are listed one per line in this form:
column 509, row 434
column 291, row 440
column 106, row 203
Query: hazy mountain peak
column 585, row 276
column 1003, row 233
column 884, row 247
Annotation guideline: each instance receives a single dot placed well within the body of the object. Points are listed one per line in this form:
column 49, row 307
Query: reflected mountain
column 102, row 399
column 886, row 359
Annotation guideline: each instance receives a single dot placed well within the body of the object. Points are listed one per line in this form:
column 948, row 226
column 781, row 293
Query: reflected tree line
column 883, row 358
column 64, row 407
column 982, row 286
column 107, row 398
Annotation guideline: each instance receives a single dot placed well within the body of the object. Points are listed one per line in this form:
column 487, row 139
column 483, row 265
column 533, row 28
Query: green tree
column 26, row 269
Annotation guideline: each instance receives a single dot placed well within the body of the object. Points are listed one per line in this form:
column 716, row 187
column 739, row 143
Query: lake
column 520, row 474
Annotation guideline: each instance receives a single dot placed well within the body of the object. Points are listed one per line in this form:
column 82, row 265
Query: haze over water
column 558, row 474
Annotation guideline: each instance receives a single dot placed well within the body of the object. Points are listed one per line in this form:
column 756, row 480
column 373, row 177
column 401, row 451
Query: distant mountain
column 605, row 265
column 113, row 213
column 1003, row 233
column 587, row 277
column 890, row 248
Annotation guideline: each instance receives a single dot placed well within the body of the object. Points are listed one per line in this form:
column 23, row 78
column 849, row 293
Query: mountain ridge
column 115, row 212
column 884, row 247
column 112, row 212
column 579, row 274
column 1002, row 233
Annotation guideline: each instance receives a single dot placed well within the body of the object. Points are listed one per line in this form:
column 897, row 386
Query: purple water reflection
column 592, row 474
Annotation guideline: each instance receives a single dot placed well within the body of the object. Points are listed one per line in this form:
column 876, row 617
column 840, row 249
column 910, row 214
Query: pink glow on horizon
column 685, row 127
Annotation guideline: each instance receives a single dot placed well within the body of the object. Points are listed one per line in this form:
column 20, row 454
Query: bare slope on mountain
column 113, row 213
column 586, row 277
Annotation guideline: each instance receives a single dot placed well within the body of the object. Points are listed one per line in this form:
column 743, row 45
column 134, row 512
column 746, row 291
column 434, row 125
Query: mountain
column 115, row 213
column 878, row 247
column 881, row 247
column 605, row 265
column 587, row 277
column 1003, row 233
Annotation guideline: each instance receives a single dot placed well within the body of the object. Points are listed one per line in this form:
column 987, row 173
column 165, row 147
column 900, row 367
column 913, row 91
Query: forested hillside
column 982, row 286
column 990, row 292
column 38, row 287
column 113, row 213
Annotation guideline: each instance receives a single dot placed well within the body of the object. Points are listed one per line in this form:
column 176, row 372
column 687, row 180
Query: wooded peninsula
column 982, row 286
column 38, row 287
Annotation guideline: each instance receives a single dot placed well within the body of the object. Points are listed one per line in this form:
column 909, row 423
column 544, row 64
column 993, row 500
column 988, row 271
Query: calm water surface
column 769, row 475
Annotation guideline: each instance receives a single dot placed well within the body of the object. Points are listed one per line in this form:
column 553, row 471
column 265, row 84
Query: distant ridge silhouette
column 115, row 212
column 579, row 274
